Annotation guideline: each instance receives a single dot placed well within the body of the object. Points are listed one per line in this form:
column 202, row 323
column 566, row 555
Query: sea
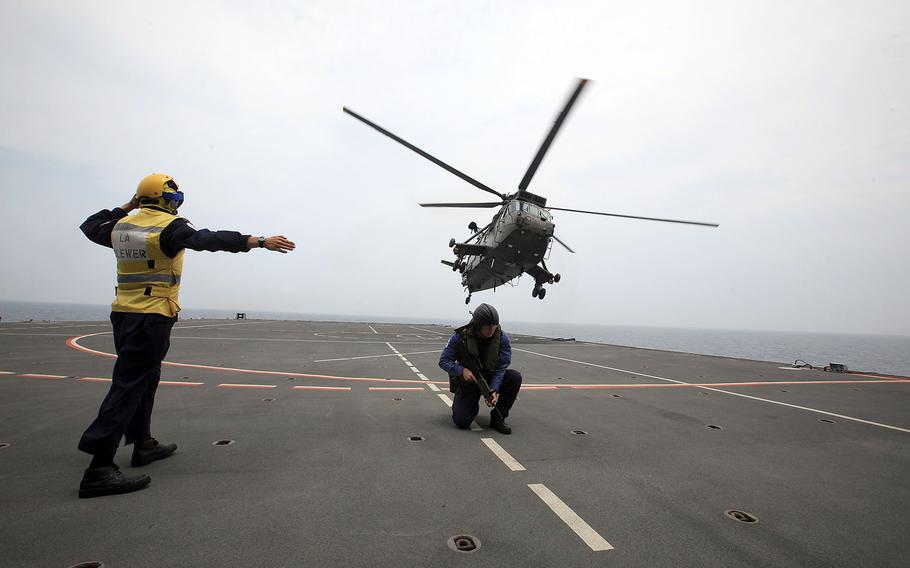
column 888, row 354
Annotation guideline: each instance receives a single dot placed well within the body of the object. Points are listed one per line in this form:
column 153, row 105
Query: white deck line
column 433, row 387
column 422, row 377
column 503, row 455
column 353, row 358
column 569, row 517
column 445, row 398
column 428, row 330
column 348, row 358
column 731, row 393
column 374, row 331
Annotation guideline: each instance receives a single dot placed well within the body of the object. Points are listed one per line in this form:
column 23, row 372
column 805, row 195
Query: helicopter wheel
column 462, row 267
column 535, row 291
column 556, row 277
column 451, row 243
column 542, row 293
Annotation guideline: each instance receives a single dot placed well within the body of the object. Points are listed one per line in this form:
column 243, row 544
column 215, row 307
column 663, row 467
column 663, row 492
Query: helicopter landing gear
column 557, row 277
column 462, row 267
column 539, row 291
column 467, row 300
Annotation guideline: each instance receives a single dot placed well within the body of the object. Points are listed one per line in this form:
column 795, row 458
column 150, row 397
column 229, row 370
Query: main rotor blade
column 525, row 181
column 563, row 244
column 436, row 161
column 469, row 205
column 635, row 217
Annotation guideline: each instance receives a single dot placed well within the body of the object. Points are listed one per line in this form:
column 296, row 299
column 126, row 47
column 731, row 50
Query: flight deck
column 331, row 444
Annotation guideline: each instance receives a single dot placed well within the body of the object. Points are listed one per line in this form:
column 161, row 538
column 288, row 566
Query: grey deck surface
column 330, row 477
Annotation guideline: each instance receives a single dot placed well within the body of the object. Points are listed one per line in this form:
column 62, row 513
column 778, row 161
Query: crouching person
column 481, row 348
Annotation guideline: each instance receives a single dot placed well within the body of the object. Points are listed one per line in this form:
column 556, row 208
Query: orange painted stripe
column 94, row 380
column 539, row 388
column 750, row 384
column 74, row 343
column 180, row 384
column 876, row 376
column 242, row 386
column 322, row 388
column 37, row 376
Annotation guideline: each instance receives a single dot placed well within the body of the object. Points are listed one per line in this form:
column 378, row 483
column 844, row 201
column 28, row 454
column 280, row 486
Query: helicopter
column 519, row 237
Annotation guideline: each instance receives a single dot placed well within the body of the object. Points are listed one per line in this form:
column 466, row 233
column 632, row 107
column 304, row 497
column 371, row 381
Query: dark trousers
column 141, row 341
column 467, row 400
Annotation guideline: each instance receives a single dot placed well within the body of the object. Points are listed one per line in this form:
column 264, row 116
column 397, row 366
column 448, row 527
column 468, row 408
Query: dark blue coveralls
column 141, row 340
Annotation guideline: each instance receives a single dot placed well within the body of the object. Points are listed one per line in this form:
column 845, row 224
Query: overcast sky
column 786, row 122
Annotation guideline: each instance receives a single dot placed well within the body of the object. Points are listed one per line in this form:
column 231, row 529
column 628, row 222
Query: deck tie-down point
column 464, row 543
column 741, row 516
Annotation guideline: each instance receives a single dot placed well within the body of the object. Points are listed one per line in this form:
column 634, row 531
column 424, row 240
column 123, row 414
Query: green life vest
column 471, row 346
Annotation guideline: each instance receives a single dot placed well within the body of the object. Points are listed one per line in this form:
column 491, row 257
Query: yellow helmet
column 161, row 191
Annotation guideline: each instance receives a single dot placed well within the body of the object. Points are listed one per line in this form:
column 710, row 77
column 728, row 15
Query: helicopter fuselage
column 516, row 241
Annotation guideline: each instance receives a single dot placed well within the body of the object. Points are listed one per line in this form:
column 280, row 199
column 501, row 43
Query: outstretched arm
column 179, row 235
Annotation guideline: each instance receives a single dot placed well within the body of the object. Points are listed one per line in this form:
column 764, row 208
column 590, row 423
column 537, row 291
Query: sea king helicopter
column 518, row 239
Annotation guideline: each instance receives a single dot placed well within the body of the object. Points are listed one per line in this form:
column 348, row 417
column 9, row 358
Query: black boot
column 498, row 423
column 150, row 450
column 109, row 480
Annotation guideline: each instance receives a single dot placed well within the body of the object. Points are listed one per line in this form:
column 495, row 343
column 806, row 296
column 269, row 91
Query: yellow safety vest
column 148, row 281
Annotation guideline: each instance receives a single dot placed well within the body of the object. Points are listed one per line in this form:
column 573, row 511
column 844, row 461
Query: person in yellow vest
column 148, row 246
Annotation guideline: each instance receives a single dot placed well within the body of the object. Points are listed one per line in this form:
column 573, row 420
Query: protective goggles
column 175, row 196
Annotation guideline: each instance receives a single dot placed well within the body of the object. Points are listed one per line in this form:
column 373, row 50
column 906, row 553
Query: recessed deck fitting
column 415, row 438
column 268, row 400
column 579, row 432
column 222, row 442
column 616, row 395
column 92, row 564
column 741, row 516
column 714, row 427
column 464, row 543
column 827, row 420
column 4, row 445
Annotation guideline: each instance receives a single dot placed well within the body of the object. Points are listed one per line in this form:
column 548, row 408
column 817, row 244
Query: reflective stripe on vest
column 148, row 281
column 169, row 279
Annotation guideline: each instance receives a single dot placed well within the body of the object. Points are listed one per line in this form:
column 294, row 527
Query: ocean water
column 872, row 353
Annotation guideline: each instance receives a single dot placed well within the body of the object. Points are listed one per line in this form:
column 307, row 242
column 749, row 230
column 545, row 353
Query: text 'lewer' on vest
column 148, row 281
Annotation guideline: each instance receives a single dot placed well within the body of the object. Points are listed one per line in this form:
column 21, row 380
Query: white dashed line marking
column 569, row 517
column 503, row 455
